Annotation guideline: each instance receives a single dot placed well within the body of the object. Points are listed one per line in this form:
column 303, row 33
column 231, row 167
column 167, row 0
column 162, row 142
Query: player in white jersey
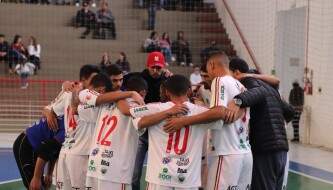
column 62, row 105
column 231, row 166
column 78, row 150
column 115, row 142
column 174, row 159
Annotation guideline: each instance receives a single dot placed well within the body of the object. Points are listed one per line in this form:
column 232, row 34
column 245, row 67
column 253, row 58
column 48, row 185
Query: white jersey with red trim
column 174, row 159
column 83, row 135
column 62, row 106
column 114, row 146
column 231, row 138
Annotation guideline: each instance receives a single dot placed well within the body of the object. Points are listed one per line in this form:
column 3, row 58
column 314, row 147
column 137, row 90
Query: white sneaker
column 166, row 64
column 191, row 64
column 93, row 5
column 182, row 64
column 173, row 59
column 77, row 4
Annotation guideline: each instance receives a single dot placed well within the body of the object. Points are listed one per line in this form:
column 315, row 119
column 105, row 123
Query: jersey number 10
column 176, row 148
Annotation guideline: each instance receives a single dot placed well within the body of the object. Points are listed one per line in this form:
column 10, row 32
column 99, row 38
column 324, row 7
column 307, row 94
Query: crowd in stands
column 101, row 23
column 175, row 51
column 21, row 59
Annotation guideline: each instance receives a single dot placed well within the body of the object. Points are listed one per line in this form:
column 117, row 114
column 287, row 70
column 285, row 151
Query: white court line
column 10, row 181
column 311, row 177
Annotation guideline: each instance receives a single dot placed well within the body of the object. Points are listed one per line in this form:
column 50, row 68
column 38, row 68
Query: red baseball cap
column 155, row 59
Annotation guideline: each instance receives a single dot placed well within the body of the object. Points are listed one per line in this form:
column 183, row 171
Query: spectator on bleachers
column 4, row 49
column 152, row 43
column 85, row 18
column 18, row 45
column 105, row 19
column 24, row 69
column 165, row 45
column 190, row 5
column 181, row 48
column 204, row 54
column 16, row 53
column 152, row 7
column 123, row 63
column 195, row 77
column 34, row 50
column 105, row 61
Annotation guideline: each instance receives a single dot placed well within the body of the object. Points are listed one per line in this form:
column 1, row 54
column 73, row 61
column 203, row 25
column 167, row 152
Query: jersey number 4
column 109, row 123
column 176, row 148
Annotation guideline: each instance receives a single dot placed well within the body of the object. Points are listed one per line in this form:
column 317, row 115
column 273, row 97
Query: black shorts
column 25, row 158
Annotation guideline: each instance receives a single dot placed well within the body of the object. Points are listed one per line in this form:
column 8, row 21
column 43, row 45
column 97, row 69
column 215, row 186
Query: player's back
column 231, row 138
column 174, row 159
column 114, row 146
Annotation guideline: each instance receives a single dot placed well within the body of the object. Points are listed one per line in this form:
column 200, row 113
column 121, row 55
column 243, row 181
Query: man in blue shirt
column 36, row 146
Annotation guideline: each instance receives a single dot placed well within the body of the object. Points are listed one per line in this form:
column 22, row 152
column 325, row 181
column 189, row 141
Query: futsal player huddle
column 102, row 124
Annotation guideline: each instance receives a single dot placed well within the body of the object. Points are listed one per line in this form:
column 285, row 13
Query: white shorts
column 230, row 172
column 72, row 171
column 152, row 186
column 93, row 183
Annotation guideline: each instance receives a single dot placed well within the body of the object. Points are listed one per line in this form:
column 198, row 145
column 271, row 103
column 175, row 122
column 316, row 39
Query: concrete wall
column 258, row 20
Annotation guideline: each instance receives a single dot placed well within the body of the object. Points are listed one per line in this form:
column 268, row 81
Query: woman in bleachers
column 105, row 61
column 165, row 45
column 152, row 43
column 181, row 48
column 123, row 63
column 17, row 52
column 34, row 50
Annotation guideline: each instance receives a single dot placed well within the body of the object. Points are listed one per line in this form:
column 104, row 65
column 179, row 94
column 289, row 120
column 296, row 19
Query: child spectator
column 34, row 50
column 123, row 63
column 195, row 77
column 165, row 45
column 181, row 48
column 24, row 69
column 105, row 19
column 152, row 44
column 105, row 61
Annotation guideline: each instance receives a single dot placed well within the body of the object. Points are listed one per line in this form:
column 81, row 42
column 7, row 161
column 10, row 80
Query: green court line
column 295, row 182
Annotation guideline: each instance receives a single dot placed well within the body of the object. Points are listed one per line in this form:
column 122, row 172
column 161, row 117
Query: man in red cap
column 154, row 74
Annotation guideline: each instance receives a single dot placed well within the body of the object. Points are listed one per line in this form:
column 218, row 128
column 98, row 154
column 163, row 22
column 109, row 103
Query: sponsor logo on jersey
column 234, row 187
column 105, row 163
column 107, row 154
column 242, row 144
column 94, row 152
column 181, row 178
column 222, row 92
column 140, row 109
column 166, row 160
column 103, row 171
column 183, row 161
column 181, row 171
column 92, row 166
column 86, row 106
column 164, row 175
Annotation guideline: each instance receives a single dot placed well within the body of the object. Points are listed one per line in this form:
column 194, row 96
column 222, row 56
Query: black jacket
column 153, row 94
column 267, row 127
column 296, row 96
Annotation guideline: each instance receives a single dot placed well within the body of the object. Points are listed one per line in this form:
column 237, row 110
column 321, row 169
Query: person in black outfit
column 105, row 19
column 4, row 50
column 181, row 48
column 204, row 54
column 123, row 63
column 151, row 7
column 296, row 99
column 154, row 76
column 85, row 18
column 268, row 137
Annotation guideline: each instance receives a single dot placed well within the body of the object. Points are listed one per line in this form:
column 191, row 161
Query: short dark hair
column 136, row 83
column 87, row 70
column 2, row 35
column 177, row 85
column 113, row 69
column 239, row 64
column 101, row 80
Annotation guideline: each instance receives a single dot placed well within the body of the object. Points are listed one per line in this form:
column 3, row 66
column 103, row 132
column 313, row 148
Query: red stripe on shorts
column 218, row 173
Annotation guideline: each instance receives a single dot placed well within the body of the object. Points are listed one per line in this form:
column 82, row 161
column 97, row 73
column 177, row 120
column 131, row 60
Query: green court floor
column 295, row 182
